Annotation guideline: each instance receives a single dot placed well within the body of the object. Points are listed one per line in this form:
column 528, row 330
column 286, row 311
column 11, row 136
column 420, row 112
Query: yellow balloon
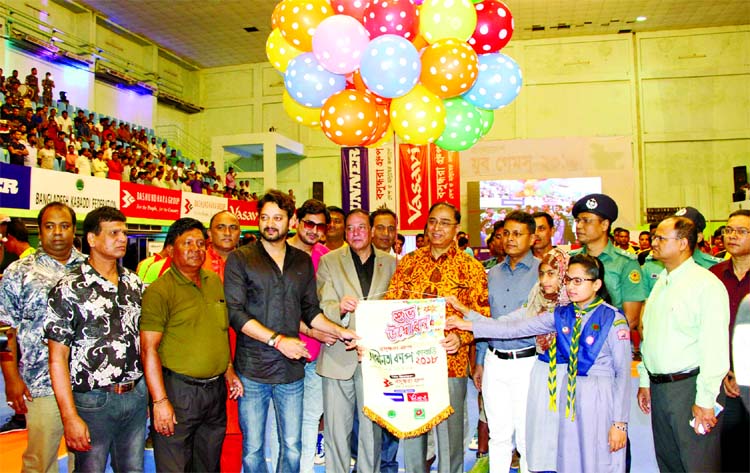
column 418, row 117
column 307, row 116
column 279, row 51
column 439, row 19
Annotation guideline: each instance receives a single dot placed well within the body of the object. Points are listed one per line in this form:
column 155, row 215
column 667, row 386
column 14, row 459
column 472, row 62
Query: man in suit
column 353, row 272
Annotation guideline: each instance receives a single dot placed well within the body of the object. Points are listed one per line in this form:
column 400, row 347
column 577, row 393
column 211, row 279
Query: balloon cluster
column 430, row 70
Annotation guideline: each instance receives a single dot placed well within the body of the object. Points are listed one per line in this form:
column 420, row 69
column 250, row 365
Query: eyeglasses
column 435, row 223
column 310, row 225
column 576, row 281
column 515, row 234
column 659, row 238
column 587, row 220
column 740, row 231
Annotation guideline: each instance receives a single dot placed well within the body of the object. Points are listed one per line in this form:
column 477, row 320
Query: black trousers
column 735, row 436
column 678, row 447
column 200, row 429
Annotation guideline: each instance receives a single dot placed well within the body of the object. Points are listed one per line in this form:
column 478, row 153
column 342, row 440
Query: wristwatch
column 272, row 341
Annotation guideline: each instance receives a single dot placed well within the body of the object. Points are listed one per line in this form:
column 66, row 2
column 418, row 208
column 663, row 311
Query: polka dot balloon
column 440, row 19
column 488, row 119
column 298, row 19
column 279, row 52
column 449, row 67
column 498, row 83
column 353, row 8
column 418, row 117
column 390, row 66
column 339, row 42
column 398, row 17
column 463, row 125
column 309, row 83
column 307, row 116
column 494, row 27
column 349, row 118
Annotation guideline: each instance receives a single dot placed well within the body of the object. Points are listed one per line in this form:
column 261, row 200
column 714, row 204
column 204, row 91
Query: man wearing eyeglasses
column 652, row 267
column 312, row 223
column 440, row 269
column 503, row 368
column 685, row 353
column 735, row 274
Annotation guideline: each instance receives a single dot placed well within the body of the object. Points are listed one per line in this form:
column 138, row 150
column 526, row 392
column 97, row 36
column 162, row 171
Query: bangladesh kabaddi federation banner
column 354, row 179
column 404, row 367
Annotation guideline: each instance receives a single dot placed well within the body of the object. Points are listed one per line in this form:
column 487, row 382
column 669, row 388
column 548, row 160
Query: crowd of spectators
column 47, row 138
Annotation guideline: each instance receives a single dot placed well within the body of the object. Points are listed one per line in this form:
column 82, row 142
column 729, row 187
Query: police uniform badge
column 635, row 276
column 591, row 204
column 681, row 212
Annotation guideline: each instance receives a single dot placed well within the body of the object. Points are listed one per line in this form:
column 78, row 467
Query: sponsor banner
column 404, row 367
column 15, row 183
column 354, row 179
column 445, row 177
column 201, row 207
column 137, row 200
column 82, row 193
column 413, row 193
column 382, row 169
column 246, row 212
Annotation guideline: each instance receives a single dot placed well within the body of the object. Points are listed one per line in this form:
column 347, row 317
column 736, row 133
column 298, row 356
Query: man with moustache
column 439, row 269
column 384, row 229
column 270, row 289
column 94, row 351
column 185, row 350
column 23, row 306
column 346, row 276
column 545, row 228
column 335, row 233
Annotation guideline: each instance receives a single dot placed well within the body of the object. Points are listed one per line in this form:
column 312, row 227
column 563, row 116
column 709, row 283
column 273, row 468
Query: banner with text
column 15, row 182
column 413, row 193
column 246, row 212
column 382, row 169
column 354, row 179
column 201, row 207
column 82, row 193
column 445, row 177
column 404, row 368
column 140, row 201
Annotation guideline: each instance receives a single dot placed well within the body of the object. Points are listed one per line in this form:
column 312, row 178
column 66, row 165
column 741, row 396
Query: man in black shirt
column 269, row 288
column 16, row 149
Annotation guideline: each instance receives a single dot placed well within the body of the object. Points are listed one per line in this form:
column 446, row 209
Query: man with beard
column 270, row 289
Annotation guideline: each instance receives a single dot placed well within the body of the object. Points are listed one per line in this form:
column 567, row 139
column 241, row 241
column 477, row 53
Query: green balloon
column 488, row 119
column 463, row 125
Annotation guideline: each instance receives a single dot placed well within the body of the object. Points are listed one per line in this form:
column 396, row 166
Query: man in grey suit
column 351, row 273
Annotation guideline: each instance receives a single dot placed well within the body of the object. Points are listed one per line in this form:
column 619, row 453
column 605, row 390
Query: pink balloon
column 338, row 43
column 494, row 27
column 353, row 8
column 398, row 17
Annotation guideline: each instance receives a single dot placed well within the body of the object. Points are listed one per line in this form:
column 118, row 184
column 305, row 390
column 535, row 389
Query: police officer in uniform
column 652, row 268
column 594, row 215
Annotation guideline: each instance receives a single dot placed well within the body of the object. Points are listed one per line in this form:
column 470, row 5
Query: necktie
column 570, row 405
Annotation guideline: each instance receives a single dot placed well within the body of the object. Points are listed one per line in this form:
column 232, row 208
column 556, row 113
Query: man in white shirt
column 64, row 123
column 83, row 163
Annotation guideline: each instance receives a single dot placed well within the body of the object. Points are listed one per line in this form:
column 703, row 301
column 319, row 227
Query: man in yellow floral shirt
column 437, row 270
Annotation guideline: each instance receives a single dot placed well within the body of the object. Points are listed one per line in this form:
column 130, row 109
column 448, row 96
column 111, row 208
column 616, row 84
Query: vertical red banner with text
column 413, row 193
column 444, row 176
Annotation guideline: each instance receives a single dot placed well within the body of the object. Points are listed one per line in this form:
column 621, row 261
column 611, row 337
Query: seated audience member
column 70, row 159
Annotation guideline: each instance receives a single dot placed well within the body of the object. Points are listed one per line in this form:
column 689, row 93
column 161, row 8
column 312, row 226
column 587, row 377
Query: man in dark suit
column 351, row 273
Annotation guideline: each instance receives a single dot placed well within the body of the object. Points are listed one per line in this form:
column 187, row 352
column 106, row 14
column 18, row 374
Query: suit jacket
column 336, row 278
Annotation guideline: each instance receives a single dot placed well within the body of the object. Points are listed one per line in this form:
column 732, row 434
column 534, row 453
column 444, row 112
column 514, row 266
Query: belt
column 190, row 380
column 118, row 388
column 669, row 378
column 515, row 354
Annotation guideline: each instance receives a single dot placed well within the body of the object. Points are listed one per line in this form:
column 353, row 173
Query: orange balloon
column 449, row 67
column 349, row 118
column 419, row 42
column 275, row 15
column 383, row 124
column 299, row 18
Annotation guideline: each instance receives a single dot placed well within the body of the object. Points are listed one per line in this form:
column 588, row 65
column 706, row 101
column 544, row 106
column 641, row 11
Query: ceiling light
column 641, row 18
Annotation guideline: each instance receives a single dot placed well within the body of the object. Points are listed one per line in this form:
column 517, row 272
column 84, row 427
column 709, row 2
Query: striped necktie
column 570, row 405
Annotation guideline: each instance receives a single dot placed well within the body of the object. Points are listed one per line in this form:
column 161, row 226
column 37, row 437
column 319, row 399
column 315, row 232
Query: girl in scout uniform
column 593, row 338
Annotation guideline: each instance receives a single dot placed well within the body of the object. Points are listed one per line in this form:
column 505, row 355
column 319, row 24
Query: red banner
column 445, row 176
column 246, row 212
column 413, row 196
column 139, row 201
